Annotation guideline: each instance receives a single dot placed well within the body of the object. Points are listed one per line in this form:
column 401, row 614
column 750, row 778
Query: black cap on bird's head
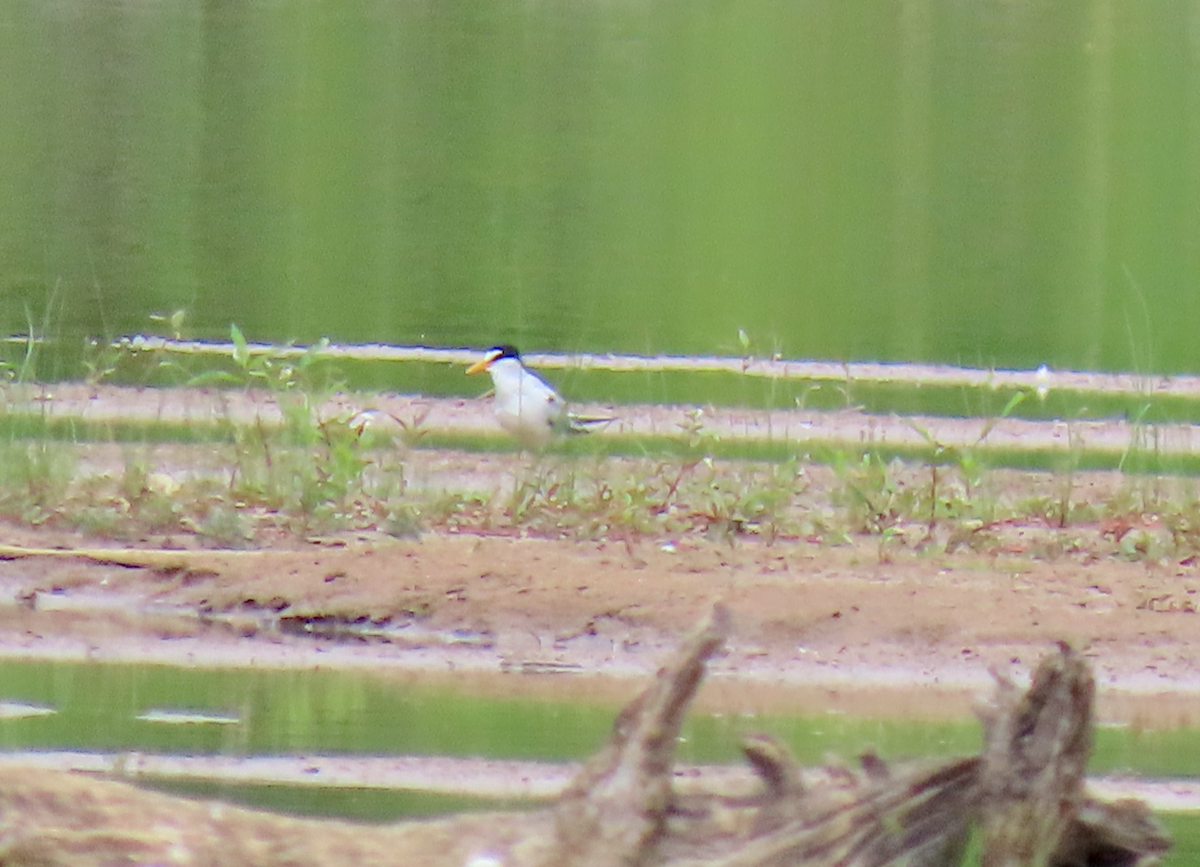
column 504, row 350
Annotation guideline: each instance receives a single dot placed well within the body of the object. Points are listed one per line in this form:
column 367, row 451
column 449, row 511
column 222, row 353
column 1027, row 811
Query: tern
column 526, row 405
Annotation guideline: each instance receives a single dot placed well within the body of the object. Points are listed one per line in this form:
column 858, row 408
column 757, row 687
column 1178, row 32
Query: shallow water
column 159, row 709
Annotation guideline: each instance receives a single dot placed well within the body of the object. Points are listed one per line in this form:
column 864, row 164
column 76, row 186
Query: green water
column 97, row 708
column 994, row 183
column 306, row 712
column 281, row 712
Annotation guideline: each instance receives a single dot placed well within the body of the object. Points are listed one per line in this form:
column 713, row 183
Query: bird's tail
column 581, row 424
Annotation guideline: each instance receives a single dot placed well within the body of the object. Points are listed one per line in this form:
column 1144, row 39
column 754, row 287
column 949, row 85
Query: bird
column 526, row 405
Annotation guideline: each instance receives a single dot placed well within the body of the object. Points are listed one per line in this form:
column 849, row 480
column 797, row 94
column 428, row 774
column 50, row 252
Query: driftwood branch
column 1025, row 791
column 615, row 811
column 1036, row 748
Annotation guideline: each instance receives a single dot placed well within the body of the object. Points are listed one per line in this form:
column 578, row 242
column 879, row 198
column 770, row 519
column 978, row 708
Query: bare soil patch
column 856, row 626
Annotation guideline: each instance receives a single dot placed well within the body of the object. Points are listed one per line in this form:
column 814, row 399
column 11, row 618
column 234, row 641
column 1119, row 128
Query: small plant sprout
column 413, row 430
column 172, row 321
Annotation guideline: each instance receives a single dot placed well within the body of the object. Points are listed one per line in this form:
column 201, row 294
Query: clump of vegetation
column 278, row 462
column 624, row 498
column 34, row 478
column 298, row 462
column 290, row 457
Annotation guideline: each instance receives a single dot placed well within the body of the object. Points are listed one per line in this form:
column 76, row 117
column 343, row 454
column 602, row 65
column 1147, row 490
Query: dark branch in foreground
column 1025, row 791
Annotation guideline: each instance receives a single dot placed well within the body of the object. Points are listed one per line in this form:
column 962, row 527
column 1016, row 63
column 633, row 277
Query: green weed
column 34, row 477
column 302, row 463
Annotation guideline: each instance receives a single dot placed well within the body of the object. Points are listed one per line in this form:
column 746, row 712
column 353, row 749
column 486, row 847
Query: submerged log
column 1025, row 790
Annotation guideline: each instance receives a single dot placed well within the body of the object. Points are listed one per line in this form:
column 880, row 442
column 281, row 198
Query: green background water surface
column 994, row 183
